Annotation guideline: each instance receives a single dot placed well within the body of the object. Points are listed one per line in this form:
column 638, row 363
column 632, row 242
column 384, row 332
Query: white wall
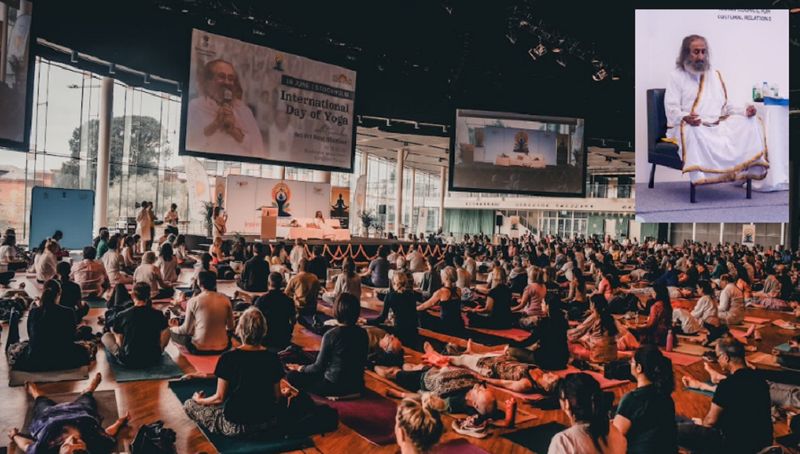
column 745, row 51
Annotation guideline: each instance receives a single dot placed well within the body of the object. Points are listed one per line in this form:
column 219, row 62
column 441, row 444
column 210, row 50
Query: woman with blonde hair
column 448, row 300
column 418, row 424
column 402, row 303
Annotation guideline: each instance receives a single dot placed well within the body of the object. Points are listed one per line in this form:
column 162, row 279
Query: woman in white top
column 148, row 272
column 347, row 282
column 167, row 263
column 144, row 223
column 298, row 253
column 127, row 253
column 115, row 263
column 8, row 253
column 179, row 248
column 591, row 432
column 45, row 263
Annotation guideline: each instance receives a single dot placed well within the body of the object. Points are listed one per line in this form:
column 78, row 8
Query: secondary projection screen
column 248, row 102
column 16, row 73
column 515, row 153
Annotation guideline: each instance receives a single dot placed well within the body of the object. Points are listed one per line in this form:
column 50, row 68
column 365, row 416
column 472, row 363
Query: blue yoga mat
column 232, row 445
column 165, row 370
column 701, row 391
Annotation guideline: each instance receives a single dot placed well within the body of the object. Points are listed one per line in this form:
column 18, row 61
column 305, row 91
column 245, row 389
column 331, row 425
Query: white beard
column 690, row 69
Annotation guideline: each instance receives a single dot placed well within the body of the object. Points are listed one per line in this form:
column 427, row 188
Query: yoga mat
column 739, row 335
column 605, row 383
column 97, row 304
column 19, row 377
column 690, row 349
column 756, row 320
column 365, row 311
column 784, row 347
column 681, row 359
column 515, row 334
column 201, row 363
column 183, row 390
column 700, row 391
column 457, row 446
column 372, row 416
column 536, row 439
column 165, row 370
column 763, row 359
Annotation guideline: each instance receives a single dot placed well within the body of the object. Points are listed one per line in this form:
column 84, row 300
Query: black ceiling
column 416, row 59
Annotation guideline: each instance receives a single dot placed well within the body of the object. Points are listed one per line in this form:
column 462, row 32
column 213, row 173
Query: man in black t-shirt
column 255, row 272
column 740, row 419
column 279, row 311
column 139, row 334
column 318, row 265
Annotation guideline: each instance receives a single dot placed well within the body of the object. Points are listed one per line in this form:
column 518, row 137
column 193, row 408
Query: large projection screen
column 515, row 153
column 247, row 102
column 16, row 73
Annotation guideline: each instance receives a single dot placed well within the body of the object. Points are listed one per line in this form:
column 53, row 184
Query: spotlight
column 178, row 87
column 416, row 125
column 511, row 38
column 599, row 75
column 537, row 51
column 112, row 68
column 147, row 79
column 557, row 48
column 561, row 61
column 211, row 22
column 614, row 74
column 258, row 32
column 73, row 57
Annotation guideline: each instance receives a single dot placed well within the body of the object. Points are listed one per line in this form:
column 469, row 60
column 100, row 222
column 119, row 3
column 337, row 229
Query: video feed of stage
column 506, row 152
column 252, row 103
column 15, row 73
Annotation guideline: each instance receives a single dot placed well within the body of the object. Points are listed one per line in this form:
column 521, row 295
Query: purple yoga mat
column 458, row 446
column 371, row 416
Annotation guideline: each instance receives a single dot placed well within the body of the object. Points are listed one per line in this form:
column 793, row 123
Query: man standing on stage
column 718, row 142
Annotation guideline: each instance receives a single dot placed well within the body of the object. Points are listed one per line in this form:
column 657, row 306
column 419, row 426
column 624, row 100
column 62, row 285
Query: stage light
column 178, row 87
column 538, row 51
column 511, row 38
column 73, row 56
column 258, row 32
column 599, row 75
column 112, row 68
column 561, row 61
column 614, row 74
column 211, row 22
column 444, row 129
column 147, row 79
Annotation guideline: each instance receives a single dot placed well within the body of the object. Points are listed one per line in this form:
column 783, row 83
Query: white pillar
column 721, row 231
column 443, row 184
column 398, row 192
column 3, row 41
column 103, row 154
column 411, row 226
column 783, row 233
column 694, row 231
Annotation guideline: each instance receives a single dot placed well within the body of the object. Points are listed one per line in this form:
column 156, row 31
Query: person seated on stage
column 279, row 312
column 346, row 282
column 530, row 303
column 731, row 302
column 448, row 300
column 739, row 420
column 51, row 341
column 431, row 280
column 495, row 313
column 318, row 265
column 339, row 367
column 90, row 274
column 377, row 275
column 646, row 415
column 298, row 253
column 654, row 330
column 149, row 273
column 102, row 242
column 139, row 334
column 179, row 248
column 71, row 296
column 416, row 260
column 9, row 255
column 248, row 398
column 550, row 334
column 114, row 263
column 68, row 427
column 418, row 425
column 403, row 304
column 463, row 281
column 128, row 253
column 506, row 368
column 303, row 288
column 208, row 322
column 597, row 334
column 590, row 431
column 319, row 219
column 255, row 272
column 167, row 263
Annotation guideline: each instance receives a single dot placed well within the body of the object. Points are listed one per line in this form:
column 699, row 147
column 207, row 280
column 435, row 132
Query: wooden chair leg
column 652, row 177
column 691, row 193
column 749, row 188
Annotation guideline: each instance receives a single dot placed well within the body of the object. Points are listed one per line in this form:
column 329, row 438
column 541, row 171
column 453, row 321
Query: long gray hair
column 683, row 56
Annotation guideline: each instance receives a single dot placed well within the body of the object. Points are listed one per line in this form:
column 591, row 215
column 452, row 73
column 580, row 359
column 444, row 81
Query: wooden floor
column 148, row 401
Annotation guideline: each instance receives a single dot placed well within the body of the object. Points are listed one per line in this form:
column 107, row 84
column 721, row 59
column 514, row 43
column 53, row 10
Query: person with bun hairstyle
column 418, row 424
column 591, row 432
column 646, row 415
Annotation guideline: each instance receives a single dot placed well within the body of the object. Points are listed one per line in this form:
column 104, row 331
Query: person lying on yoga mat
column 69, row 427
column 138, row 334
column 505, row 368
column 418, row 425
column 249, row 398
column 384, row 349
column 339, row 367
column 646, row 415
column 739, row 420
column 591, row 432
column 51, row 343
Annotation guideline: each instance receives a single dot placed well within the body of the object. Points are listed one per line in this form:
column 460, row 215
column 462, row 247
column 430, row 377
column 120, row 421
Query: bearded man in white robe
column 218, row 120
column 717, row 141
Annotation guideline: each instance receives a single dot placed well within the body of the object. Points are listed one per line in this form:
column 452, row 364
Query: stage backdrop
column 251, row 103
column 746, row 46
column 244, row 195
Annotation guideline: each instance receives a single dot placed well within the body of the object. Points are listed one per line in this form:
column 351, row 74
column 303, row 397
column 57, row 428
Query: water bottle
column 756, row 93
column 670, row 340
column 764, row 90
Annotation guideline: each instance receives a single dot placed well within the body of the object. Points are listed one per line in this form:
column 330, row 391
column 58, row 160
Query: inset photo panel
column 712, row 115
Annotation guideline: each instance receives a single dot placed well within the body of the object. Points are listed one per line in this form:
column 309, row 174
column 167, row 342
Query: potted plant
column 207, row 221
column 367, row 221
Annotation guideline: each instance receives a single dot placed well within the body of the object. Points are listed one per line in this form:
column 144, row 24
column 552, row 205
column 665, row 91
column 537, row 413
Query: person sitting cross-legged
column 208, row 322
column 139, row 334
column 279, row 311
column 255, row 272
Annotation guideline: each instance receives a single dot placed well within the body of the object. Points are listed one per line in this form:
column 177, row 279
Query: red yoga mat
column 457, row 446
column 372, row 416
column 202, row 363
column 605, row 383
column 681, row 359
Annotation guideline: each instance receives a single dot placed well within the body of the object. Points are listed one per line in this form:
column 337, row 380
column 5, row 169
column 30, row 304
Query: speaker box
column 498, row 220
column 381, row 209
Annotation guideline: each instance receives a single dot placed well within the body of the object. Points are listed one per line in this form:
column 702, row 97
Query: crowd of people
column 594, row 303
